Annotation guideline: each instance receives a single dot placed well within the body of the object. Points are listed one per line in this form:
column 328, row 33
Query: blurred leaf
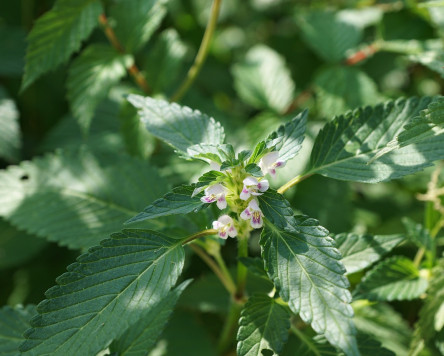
column 142, row 336
column 12, row 44
column 12, row 241
column 384, row 324
column 362, row 17
column 179, row 126
column 427, row 126
column 329, row 34
column 431, row 59
column 395, row 278
column 90, row 76
column 263, row 80
column 58, row 34
column 418, row 234
column 127, row 274
column 360, row 251
column 344, row 147
column 255, row 266
column 316, row 288
column 76, row 198
column 340, row 89
column 10, row 134
column 13, row 323
column 263, row 325
column 165, row 61
column 136, row 20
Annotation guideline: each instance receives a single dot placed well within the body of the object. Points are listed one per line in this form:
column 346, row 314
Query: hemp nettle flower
column 254, row 214
column 225, row 227
column 270, row 162
column 214, row 166
column 253, row 187
column 216, row 193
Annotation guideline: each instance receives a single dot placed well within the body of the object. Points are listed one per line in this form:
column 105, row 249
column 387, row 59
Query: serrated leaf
column 276, row 208
column 329, row 34
column 339, row 89
column 58, row 34
column 344, row 146
column 360, row 251
column 141, row 337
column 126, row 275
column 208, row 178
column 427, row 125
column 10, row 135
column 263, row 80
column 289, row 137
column 305, row 267
column 136, row 21
column 384, row 324
column 167, row 56
column 253, row 170
column 77, row 198
column 263, row 325
column 179, row 126
column 90, row 77
column 395, row 278
column 418, row 234
column 13, row 323
column 179, row 201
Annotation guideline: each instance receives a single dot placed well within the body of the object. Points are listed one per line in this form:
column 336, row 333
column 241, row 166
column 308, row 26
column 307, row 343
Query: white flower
column 225, row 227
column 214, row 166
column 253, row 187
column 214, row 193
column 254, row 214
column 270, row 162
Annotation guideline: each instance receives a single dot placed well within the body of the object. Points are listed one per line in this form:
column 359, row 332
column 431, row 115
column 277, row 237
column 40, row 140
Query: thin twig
column 133, row 70
column 292, row 182
column 201, row 54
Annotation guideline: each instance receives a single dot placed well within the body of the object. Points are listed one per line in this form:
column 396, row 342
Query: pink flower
column 270, row 162
column 253, row 187
column 225, row 227
column 254, row 214
column 215, row 193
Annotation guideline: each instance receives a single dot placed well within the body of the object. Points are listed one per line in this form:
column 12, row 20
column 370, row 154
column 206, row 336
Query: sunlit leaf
column 10, row 135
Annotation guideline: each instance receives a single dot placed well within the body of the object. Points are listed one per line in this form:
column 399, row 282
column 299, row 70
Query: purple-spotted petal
column 221, row 202
column 208, row 199
column 232, row 232
column 263, row 185
column 256, row 219
column 245, row 194
column 223, row 234
column 246, row 214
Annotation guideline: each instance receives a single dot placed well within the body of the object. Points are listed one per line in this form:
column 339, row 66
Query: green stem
column 242, row 251
column 201, row 54
column 199, row 234
column 293, row 182
column 226, row 337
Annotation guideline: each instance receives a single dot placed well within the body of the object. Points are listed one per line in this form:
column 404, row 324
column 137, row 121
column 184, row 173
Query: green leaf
column 125, row 276
column 167, row 57
column 431, row 59
column 344, row 146
column 428, row 125
column 276, row 208
column 136, row 21
column 360, row 251
column 179, row 126
column 208, row 178
column 253, row 170
column 12, row 241
column 12, row 43
column 58, row 34
column 77, row 198
column 263, row 325
column 255, row 266
column 418, row 234
column 179, row 201
column 90, row 77
column 289, row 137
column 10, row 135
column 263, row 80
column 384, row 324
column 395, row 278
column 306, row 270
column 339, row 89
column 13, row 323
column 142, row 336
column 329, row 34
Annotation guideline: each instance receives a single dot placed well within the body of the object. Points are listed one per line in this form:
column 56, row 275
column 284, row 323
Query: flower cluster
column 252, row 187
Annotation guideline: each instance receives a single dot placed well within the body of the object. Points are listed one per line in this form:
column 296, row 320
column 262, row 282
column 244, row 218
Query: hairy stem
column 201, row 54
column 199, row 234
column 241, row 269
column 292, row 182
column 133, row 70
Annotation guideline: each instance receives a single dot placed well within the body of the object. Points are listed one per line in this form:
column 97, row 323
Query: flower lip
column 215, row 193
column 252, row 186
column 270, row 162
column 225, row 227
column 254, row 214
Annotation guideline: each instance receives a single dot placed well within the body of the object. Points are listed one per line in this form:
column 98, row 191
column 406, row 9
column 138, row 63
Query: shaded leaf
column 10, row 135
column 255, row 266
column 12, row 43
column 418, row 234
column 263, row 80
column 431, row 59
column 126, row 275
column 58, row 34
column 395, row 278
column 263, row 325
column 360, row 251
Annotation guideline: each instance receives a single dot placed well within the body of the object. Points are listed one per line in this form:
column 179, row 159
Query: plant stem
column 199, row 234
column 292, row 182
column 242, row 251
column 133, row 70
column 227, row 282
column 226, row 337
column 201, row 54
